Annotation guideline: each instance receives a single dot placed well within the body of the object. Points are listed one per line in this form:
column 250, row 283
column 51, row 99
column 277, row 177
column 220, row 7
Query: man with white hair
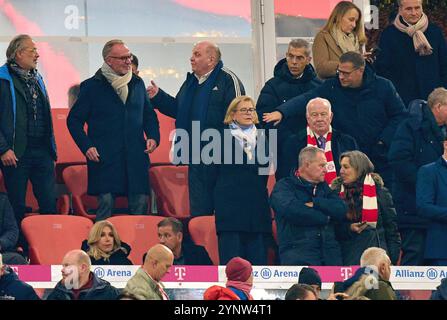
column 11, row 288
column 372, row 280
column 319, row 133
column 79, row 283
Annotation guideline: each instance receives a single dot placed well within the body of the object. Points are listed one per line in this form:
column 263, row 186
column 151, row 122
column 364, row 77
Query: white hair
column 322, row 100
column 374, row 257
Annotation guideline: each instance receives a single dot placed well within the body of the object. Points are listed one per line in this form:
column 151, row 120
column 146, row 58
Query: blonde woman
column 104, row 245
column 343, row 32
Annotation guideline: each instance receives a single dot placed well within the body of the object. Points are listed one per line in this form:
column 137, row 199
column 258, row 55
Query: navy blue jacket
column 117, row 131
column 306, row 229
column 431, row 200
column 194, row 255
column 370, row 113
column 9, row 232
column 441, row 291
column 414, row 76
column 11, row 288
column 101, row 290
column 13, row 115
column 418, row 141
column 288, row 154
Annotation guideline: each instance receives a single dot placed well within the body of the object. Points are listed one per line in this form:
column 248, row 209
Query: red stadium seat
column 161, row 155
column 170, row 185
column 50, row 237
column 203, row 233
column 75, row 178
column 140, row 232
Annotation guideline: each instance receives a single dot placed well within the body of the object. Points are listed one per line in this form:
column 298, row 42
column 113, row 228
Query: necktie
column 322, row 142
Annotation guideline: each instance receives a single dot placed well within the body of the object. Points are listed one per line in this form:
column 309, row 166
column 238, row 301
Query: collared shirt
column 203, row 78
column 160, row 287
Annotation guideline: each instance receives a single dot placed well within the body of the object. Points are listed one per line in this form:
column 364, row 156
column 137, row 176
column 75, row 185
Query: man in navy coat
column 431, row 201
column 122, row 129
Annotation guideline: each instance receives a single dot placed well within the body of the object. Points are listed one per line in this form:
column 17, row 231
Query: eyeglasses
column 245, row 110
column 295, row 58
column 32, row 50
column 345, row 73
column 124, row 58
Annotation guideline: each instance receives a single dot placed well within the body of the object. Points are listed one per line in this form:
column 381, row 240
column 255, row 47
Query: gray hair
column 108, row 47
column 359, row 161
column 15, row 46
column 399, row 2
column 439, row 95
column 300, row 43
column 318, row 99
column 374, row 256
column 214, row 49
column 308, row 154
column 355, row 58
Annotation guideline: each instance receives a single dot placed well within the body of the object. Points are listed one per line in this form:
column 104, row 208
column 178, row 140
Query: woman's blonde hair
column 232, row 109
column 337, row 14
column 95, row 235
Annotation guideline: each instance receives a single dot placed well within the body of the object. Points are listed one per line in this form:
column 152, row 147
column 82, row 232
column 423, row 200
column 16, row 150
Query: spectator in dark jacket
column 365, row 106
column 9, row 233
column 104, row 246
column 371, row 215
column 441, row 291
column 418, row 141
column 200, row 104
column 319, row 133
column 414, row 67
column 79, row 283
column 11, row 288
column 293, row 76
column 243, row 219
column 431, row 201
column 306, row 209
column 170, row 234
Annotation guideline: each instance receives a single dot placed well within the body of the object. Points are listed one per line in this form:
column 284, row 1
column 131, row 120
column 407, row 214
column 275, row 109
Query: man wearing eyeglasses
column 27, row 145
column 122, row 129
column 365, row 106
column 293, row 75
column 202, row 100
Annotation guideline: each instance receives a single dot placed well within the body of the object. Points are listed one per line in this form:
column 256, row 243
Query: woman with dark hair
column 104, row 245
column 371, row 213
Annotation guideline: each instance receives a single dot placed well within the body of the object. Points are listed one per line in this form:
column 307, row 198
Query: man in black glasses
column 122, row 129
column 365, row 106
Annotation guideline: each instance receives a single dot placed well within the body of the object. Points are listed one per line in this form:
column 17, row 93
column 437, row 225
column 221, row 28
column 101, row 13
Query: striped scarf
column 331, row 173
column 370, row 212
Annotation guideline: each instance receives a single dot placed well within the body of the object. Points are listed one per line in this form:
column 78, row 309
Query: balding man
column 202, row 100
column 122, row 129
column 145, row 284
column 319, row 133
column 79, row 283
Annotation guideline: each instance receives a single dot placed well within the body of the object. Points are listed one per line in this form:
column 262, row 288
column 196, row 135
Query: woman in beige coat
column 343, row 32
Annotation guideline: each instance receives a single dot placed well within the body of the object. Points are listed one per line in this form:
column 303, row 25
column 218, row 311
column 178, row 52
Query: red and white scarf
column 370, row 212
column 331, row 174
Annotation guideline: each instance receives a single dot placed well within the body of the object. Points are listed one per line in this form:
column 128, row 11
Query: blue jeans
column 106, row 201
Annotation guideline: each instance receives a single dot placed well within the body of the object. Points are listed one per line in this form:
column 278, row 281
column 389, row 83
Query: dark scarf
column 31, row 80
column 354, row 200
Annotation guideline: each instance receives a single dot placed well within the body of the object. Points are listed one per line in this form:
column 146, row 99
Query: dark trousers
column 201, row 181
column 249, row 246
column 106, row 202
column 436, row 262
column 13, row 258
column 413, row 246
column 37, row 166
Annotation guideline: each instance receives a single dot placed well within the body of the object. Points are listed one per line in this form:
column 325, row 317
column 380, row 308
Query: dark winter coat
column 9, row 232
column 418, row 141
column 11, row 288
column 306, row 229
column 119, row 257
column 240, row 193
column 101, row 290
column 194, row 255
column 414, row 76
column 117, row 131
column 370, row 113
column 13, row 115
column 441, row 291
column 385, row 235
column 288, row 155
column 431, row 200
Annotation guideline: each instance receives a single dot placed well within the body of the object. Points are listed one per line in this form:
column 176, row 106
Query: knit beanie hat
column 309, row 276
column 238, row 269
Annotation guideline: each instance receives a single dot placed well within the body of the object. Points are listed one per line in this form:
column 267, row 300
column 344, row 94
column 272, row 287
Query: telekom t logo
column 346, row 272
column 180, row 273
